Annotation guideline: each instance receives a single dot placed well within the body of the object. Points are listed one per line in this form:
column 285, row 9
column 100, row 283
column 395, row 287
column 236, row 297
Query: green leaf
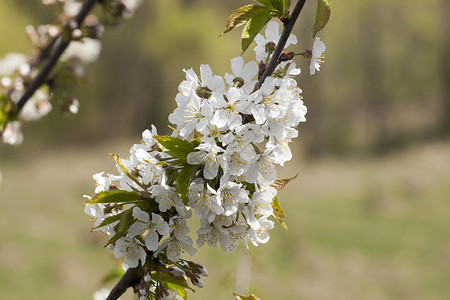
column 253, row 27
column 287, row 5
column 109, row 220
column 266, row 3
column 278, row 212
column 126, row 220
column 184, row 180
column 175, row 281
column 195, row 142
column 242, row 15
column 278, row 5
column 125, row 170
column 322, row 15
column 175, row 147
column 114, row 196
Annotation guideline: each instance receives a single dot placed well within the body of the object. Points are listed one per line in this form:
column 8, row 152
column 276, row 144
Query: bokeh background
column 369, row 212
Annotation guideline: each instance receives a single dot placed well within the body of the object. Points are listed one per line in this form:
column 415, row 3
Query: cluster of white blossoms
column 220, row 162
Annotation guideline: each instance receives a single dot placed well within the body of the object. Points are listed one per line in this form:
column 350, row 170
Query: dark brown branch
column 123, row 284
column 61, row 44
column 288, row 25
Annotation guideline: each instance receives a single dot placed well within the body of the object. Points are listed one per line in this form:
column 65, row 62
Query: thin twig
column 60, row 45
column 288, row 25
column 123, row 284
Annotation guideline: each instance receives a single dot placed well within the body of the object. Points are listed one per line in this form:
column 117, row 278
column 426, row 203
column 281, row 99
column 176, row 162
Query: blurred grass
column 361, row 228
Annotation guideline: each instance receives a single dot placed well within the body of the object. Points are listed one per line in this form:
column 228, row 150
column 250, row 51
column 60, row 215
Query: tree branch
column 61, row 44
column 288, row 25
column 123, row 284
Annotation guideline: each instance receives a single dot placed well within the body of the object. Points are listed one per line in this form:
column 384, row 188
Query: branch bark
column 61, row 44
column 123, row 284
column 288, row 25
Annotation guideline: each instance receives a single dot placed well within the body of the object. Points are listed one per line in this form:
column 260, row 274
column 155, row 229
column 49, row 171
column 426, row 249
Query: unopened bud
column 162, row 293
column 148, row 277
column 238, row 82
column 202, row 269
column 285, row 56
column 203, row 92
column 76, row 34
column 196, row 280
column 175, row 271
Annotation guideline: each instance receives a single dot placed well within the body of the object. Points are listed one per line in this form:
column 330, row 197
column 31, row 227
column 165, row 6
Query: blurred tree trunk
column 373, row 97
column 444, row 69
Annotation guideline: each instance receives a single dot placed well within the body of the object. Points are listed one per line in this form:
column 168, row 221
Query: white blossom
column 317, row 51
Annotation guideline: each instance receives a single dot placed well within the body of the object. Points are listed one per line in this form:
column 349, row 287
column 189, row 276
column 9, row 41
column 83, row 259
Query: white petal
column 151, row 241
column 236, row 65
column 141, row 215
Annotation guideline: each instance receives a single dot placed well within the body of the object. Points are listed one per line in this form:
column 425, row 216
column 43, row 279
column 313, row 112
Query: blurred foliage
column 384, row 83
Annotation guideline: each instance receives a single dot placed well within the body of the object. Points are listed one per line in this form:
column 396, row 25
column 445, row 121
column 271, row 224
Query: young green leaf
column 278, row 212
column 184, row 179
column 287, row 5
column 110, row 219
column 322, row 15
column 178, row 281
column 175, row 147
column 278, row 5
column 114, row 196
column 267, row 3
column 126, row 220
column 125, row 170
column 242, row 15
column 253, row 27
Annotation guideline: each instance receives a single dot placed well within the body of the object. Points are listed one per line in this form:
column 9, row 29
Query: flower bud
column 203, row 92
column 238, row 82
column 162, row 293
column 76, row 34
column 148, row 277
column 202, row 269
column 175, row 271
column 285, row 56
column 196, row 280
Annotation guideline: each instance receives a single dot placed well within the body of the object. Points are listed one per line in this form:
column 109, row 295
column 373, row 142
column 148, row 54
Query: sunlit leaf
column 278, row 212
column 125, row 170
column 266, row 3
column 110, row 220
column 322, row 15
column 178, row 281
column 250, row 297
column 184, row 179
column 287, row 5
column 173, row 146
column 278, row 5
column 242, row 15
column 279, row 184
column 253, row 27
column 114, row 196
column 126, row 220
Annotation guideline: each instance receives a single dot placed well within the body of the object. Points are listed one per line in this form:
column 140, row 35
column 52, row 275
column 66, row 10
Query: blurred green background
column 369, row 213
